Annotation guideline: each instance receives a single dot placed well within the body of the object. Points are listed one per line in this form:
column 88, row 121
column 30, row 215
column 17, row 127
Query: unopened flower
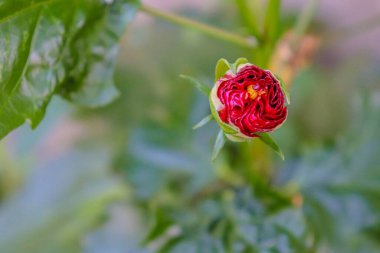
column 247, row 101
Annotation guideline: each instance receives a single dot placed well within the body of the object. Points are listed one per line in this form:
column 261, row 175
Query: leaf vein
column 19, row 12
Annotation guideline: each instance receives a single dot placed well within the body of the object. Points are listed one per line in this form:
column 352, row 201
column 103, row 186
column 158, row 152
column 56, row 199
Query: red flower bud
column 249, row 102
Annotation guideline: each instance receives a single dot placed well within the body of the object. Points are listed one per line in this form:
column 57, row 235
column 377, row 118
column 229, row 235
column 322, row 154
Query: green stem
column 248, row 42
column 249, row 11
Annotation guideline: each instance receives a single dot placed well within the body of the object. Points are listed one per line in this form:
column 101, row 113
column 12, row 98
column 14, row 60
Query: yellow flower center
column 252, row 93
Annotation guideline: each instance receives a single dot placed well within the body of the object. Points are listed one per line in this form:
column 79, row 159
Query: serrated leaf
column 198, row 84
column 219, row 143
column 222, row 66
column 267, row 139
column 203, row 122
column 65, row 47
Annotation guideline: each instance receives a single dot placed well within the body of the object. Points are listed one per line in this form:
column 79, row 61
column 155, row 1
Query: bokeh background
column 86, row 180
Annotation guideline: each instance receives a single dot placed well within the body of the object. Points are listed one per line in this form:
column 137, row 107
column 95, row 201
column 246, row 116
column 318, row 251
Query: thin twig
column 248, row 42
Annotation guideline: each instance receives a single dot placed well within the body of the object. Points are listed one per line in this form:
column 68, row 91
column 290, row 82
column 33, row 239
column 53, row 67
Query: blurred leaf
column 203, row 122
column 219, row 143
column 272, row 21
column 271, row 33
column 268, row 140
column 250, row 14
column 239, row 224
column 167, row 158
column 51, row 47
column 170, row 244
column 120, row 234
column 342, row 184
column 60, row 202
column 197, row 84
column 161, row 224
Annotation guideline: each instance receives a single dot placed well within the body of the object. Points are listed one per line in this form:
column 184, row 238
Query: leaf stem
column 237, row 39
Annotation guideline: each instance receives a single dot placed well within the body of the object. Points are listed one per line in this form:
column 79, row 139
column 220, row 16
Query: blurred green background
column 97, row 181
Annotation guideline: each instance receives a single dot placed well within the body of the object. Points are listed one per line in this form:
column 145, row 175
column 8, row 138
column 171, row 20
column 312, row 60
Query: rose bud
column 247, row 101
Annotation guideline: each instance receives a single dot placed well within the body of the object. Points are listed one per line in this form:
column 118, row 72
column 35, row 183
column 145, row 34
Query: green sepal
column 225, row 127
column 237, row 63
column 268, row 140
column 205, row 89
column 219, row 143
column 283, row 87
column 222, row 66
column 203, row 121
column 237, row 138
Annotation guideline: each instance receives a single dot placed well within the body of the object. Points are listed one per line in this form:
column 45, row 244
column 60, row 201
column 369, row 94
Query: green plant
column 247, row 200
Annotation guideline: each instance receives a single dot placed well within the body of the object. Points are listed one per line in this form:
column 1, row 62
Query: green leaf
column 203, row 122
column 267, row 139
column 343, row 177
column 197, row 84
column 170, row 244
column 65, row 47
column 222, row 66
column 219, row 143
column 161, row 224
column 239, row 223
column 272, row 21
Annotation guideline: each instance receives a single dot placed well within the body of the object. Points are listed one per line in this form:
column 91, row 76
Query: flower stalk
column 237, row 39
